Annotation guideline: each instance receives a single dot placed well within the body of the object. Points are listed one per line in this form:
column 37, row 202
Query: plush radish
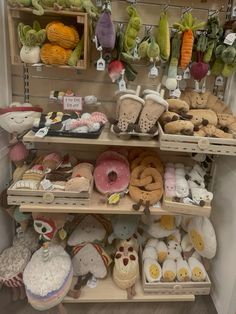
column 199, row 68
column 115, row 69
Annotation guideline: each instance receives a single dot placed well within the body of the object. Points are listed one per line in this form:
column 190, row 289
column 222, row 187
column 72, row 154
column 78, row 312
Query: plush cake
column 48, row 281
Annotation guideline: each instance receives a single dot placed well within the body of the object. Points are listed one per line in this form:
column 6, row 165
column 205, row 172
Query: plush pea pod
column 163, row 36
column 142, row 49
column 171, row 82
column 76, row 53
column 132, row 29
column 228, row 55
column 228, row 69
column 153, row 50
column 217, row 67
column 209, row 52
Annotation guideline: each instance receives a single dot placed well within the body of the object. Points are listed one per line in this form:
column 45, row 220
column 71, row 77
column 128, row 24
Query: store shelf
column 96, row 205
column 107, row 291
column 106, row 138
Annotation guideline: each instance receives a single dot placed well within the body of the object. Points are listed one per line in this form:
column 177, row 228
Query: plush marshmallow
column 193, row 184
column 170, row 187
column 203, row 237
column 170, row 165
column 179, row 165
column 201, row 196
column 180, row 172
column 200, row 170
column 152, row 242
column 152, row 270
column 181, row 187
column 183, row 270
column 169, row 175
column 173, row 254
column 174, row 245
column 161, row 251
column 194, row 176
column 169, row 270
column 149, row 252
column 185, row 222
column 198, row 271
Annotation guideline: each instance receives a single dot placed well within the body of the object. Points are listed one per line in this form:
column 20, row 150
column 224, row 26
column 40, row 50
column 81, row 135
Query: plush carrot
column 188, row 25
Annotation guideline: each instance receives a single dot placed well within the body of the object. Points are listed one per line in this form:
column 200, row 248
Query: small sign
column 229, row 39
column 42, row 132
column 46, row 184
column 179, row 77
column 74, row 103
column 186, row 74
column 219, row 81
column 92, row 283
column 101, row 64
column 175, row 93
column 122, row 85
column 153, row 72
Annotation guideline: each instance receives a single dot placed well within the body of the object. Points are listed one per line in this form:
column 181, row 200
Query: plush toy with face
column 18, row 118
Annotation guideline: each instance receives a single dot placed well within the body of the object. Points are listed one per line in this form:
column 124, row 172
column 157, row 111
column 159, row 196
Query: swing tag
column 179, row 77
column 219, row 81
column 176, row 93
column 153, row 72
column 230, row 38
column 101, row 65
column 46, row 184
column 186, row 74
column 99, row 3
column 42, row 132
column 92, row 282
column 197, row 87
column 122, row 85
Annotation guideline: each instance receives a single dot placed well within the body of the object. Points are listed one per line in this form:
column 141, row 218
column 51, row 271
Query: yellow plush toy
column 65, row 36
column 54, row 54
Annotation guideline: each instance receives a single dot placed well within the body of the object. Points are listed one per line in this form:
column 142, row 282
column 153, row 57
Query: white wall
column 5, row 92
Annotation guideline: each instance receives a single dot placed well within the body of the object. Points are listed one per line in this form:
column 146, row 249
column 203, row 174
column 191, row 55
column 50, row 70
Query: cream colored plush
column 169, row 270
column 152, row 270
column 197, row 269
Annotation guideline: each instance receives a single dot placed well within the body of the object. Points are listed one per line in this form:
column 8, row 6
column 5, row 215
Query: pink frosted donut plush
column 111, row 173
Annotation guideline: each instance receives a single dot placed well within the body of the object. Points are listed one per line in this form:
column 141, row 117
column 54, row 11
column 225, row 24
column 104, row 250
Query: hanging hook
column 212, row 13
column 186, row 10
column 148, row 29
column 132, row 2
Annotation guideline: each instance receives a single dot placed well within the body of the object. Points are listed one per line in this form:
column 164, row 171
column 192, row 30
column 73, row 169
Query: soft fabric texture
column 28, row 239
column 172, row 244
column 149, row 252
column 152, row 270
column 169, row 270
column 162, row 251
column 173, row 254
column 186, row 244
column 181, row 187
column 152, row 242
column 203, row 237
column 90, row 257
column 197, row 269
column 183, row 270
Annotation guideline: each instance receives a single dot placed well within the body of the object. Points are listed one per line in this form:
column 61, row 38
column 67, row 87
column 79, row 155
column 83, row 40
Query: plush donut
column 111, row 176
column 111, row 155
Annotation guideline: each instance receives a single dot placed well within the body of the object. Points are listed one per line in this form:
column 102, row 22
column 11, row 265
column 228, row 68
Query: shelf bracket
column 26, row 83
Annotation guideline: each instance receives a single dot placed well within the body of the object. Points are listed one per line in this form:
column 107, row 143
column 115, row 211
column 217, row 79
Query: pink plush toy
column 18, row 153
column 170, row 187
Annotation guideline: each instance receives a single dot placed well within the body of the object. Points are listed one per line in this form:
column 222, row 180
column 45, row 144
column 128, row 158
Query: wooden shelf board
column 51, row 12
column 106, row 138
column 107, row 291
column 96, row 206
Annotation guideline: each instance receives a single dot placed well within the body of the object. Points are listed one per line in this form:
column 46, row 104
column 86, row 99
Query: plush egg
column 197, row 269
column 168, row 222
column 175, row 236
column 152, row 242
column 149, row 252
column 162, row 251
column 183, row 270
column 169, row 270
column 203, row 237
column 197, row 256
column 174, row 245
column 152, row 270
column 186, row 244
column 173, row 254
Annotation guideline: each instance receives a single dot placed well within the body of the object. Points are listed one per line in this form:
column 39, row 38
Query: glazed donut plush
column 146, row 183
column 111, row 173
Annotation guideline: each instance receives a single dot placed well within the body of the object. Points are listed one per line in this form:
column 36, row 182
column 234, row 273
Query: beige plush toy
column 177, row 105
column 181, row 127
column 169, row 116
column 169, row 270
column 152, row 270
column 162, row 251
column 212, row 131
column 183, row 270
column 227, row 122
column 203, row 117
column 197, row 269
column 194, row 99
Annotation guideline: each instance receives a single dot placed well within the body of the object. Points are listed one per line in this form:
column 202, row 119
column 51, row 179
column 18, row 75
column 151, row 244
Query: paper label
column 186, row 74
column 175, row 93
column 122, row 85
column 101, row 64
column 74, row 103
column 46, row 184
column 42, row 132
column 230, row 38
column 157, row 205
column 153, row 72
column 219, row 81
column 92, row 283
column 179, row 77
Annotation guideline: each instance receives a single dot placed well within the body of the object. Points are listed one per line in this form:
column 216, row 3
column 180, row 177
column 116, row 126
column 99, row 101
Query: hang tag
column 101, row 64
column 188, row 200
column 219, row 81
column 73, row 103
column 175, row 93
column 203, row 89
column 62, row 234
column 230, row 38
column 186, row 74
column 122, row 85
column 92, row 282
column 197, row 87
column 46, row 184
column 157, row 205
column 179, row 77
column 42, row 132
column 153, row 72
column 95, row 40
column 234, row 11
column 99, row 3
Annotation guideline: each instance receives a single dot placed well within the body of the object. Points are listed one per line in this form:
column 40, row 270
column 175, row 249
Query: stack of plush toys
column 179, row 249
column 199, row 114
column 187, row 184
column 90, row 246
column 55, row 173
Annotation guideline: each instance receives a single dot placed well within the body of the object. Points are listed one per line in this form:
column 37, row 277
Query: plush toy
column 149, row 252
column 168, row 116
column 227, row 123
column 126, row 270
column 123, row 227
column 181, row 187
column 173, row 254
column 186, row 244
column 23, row 219
column 202, row 235
column 54, row 54
column 201, row 196
column 90, row 228
column 90, row 257
column 174, row 245
column 182, row 127
column 203, row 117
column 156, row 229
column 126, row 243
column 169, row 270
column 52, row 161
column 31, row 39
column 105, row 31
column 197, row 269
column 175, row 236
column 28, row 239
column 212, row 131
column 152, row 270
column 178, row 106
column 162, row 251
column 152, row 242
column 194, row 99
column 183, row 270
column 18, row 153
column 48, row 278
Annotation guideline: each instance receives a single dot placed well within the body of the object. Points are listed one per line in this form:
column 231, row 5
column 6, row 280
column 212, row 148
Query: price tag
column 92, row 282
column 219, row 81
column 230, row 38
column 46, row 184
column 122, row 85
column 179, row 77
column 157, row 205
column 101, row 64
column 42, row 132
column 175, row 93
column 74, row 103
column 99, row 3
column 153, row 72
column 234, row 12
column 186, row 74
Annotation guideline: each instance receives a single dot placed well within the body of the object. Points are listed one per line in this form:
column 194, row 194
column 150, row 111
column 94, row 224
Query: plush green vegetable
column 142, row 49
column 76, row 53
column 132, row 29
column 153, row 51
column 171, row 82
column 163, row 37
column 217, row 67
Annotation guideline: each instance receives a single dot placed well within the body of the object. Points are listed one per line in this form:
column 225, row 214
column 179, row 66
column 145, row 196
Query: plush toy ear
column 205, row 122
